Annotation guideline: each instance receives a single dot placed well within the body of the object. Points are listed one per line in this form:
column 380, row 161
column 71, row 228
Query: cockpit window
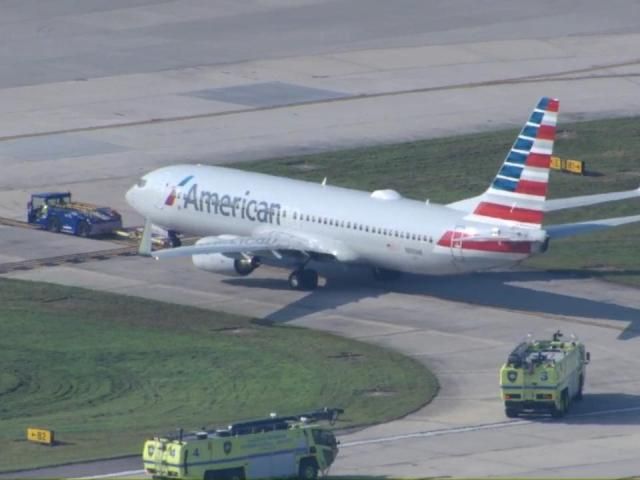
column 141, row 183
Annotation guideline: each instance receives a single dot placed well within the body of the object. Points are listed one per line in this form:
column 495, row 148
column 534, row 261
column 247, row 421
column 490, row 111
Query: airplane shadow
column 492, row 289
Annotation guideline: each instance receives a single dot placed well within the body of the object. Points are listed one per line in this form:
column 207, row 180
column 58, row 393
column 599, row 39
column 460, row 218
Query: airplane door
column 456, row 243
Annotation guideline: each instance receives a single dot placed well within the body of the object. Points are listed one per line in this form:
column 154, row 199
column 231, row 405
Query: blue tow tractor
column 54, row 211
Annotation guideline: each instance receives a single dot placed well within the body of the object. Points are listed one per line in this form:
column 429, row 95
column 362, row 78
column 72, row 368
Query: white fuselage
column 381, row 229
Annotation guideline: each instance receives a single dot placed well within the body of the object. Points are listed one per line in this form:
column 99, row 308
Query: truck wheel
column 564, row 406
column 511, row 412
column 567, row 401
column 53, row 225
column 580, row 387
column 83, row 229
column 308, row 470
column 557, row 412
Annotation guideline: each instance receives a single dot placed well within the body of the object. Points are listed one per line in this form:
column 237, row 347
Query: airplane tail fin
column 517, row 194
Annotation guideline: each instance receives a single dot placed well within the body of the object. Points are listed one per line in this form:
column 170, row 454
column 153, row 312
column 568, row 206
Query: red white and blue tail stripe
column 518, row 192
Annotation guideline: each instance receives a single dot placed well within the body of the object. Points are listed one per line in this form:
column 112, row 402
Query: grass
column 106, row 371
column 453, row 168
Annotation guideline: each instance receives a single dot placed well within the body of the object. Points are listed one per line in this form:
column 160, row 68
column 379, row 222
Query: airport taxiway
column 463, row 328
column 96, row 93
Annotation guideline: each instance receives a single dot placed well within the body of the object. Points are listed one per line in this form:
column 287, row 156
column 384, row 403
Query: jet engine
column 220, row 263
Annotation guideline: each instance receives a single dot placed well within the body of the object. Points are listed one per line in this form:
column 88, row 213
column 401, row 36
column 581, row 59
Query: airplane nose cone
column 130, row 197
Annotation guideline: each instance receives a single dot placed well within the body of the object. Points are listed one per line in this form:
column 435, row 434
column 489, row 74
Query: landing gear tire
column 305, row 279
column 174, row 239
column 385, row 275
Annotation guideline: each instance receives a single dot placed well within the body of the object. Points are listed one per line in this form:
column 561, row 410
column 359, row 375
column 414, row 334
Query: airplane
column 247, row 218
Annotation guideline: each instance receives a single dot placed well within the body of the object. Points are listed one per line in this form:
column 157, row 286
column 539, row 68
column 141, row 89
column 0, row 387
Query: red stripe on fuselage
column 497, row 246
column 532, row 188
column 504, row 212
column 538, row 160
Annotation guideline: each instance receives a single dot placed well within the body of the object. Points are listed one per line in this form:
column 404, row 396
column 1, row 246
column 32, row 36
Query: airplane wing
column 273, row 243
column 571, row 229
column 584, row 200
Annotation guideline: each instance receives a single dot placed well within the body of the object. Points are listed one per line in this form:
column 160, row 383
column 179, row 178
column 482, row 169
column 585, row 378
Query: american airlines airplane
column 247, row 218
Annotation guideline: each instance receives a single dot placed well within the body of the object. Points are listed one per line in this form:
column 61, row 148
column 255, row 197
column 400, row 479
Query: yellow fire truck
column 274, row 447
column 543, row 376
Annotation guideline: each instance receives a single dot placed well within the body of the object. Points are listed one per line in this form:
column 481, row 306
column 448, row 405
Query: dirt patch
column 302, row 166
column 378, row 392
column 566, row 134
column 345, row 356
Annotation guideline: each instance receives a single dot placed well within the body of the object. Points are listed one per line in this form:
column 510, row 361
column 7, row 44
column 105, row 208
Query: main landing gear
column 303, row 279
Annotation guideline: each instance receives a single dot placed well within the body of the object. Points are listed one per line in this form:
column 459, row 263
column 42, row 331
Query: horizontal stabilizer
column 582, row 201
column 571, row 229
column 469, row 204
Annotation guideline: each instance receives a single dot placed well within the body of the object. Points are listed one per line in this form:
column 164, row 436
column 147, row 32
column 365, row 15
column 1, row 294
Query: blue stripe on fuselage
column 185, row 181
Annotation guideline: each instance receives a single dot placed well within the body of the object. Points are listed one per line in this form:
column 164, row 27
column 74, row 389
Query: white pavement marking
column 430, row 433
column 110, row 475
column 474, row 428
column 436, row 433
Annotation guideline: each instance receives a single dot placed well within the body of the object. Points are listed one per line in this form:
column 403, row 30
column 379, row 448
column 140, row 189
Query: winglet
column 145, row 242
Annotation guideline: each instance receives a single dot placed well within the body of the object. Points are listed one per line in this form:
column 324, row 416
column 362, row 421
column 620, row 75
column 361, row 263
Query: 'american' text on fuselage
column 232, row 206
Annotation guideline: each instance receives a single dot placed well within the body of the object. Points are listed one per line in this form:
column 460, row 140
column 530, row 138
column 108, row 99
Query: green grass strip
column 106, row 371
